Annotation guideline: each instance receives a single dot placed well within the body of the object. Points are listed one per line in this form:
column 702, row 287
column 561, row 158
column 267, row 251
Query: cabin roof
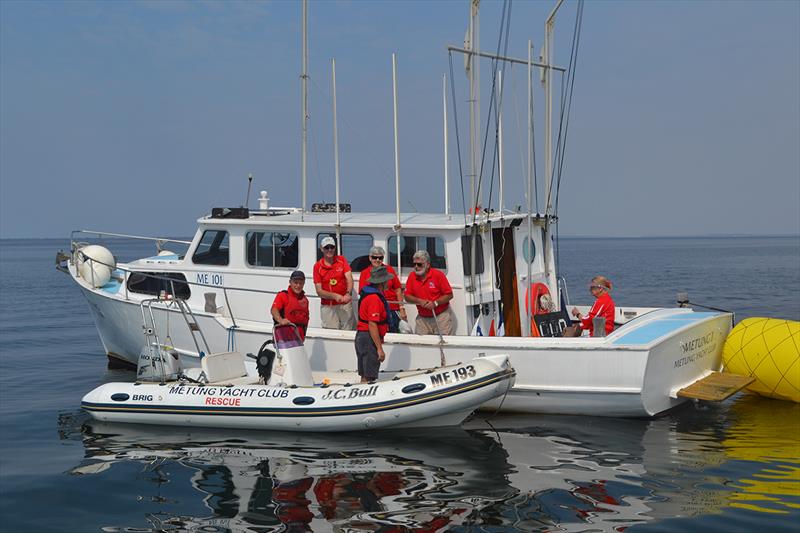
column 291, row 217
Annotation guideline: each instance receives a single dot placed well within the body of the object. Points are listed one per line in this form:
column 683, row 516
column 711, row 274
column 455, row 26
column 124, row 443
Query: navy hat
column 298, row 274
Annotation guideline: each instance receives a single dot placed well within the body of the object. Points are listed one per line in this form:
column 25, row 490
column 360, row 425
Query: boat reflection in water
column 256, row 481
column 522, row 473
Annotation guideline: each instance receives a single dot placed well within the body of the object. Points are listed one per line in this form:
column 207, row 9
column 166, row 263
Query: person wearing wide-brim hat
column 373, row 315
column 394, row 290
column 291, row 305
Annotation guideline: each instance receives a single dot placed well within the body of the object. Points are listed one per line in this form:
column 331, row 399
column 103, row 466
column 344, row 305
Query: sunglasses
column 376, row 257
column 596, row 287
column 329, row 247
column 419, row 264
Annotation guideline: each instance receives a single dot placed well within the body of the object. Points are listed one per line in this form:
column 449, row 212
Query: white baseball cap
column 327, row 241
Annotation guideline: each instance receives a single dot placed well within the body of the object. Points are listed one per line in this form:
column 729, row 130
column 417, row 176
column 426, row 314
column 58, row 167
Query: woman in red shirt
column 600, row 287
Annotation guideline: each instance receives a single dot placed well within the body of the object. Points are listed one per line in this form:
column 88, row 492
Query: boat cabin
column 238, row 260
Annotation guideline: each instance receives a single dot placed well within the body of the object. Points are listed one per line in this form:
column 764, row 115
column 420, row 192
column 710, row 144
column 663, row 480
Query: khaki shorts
column 447, row 323
column 338, row 316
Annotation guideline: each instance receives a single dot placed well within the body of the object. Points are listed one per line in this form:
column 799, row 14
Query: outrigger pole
column 336, row 157
column 446, row 173
column 500, row 137
column 528, row 259
column 304, row 83
column 549, row 26
column 396, row 150
column 396, row 166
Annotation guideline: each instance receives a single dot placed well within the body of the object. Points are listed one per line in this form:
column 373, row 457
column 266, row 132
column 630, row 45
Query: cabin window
column 355, row 248
column 409, row 244
column 272, row 249
column 154, row 282
column 528, row 250
column 212, row 249
column 466, row 253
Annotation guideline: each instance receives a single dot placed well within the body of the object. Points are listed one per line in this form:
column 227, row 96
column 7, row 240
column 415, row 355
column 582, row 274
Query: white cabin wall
column 538, row 274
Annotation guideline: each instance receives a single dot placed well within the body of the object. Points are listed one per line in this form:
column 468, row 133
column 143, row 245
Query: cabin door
column 506, row 272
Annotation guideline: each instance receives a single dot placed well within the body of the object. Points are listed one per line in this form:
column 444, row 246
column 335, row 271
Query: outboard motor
column 264, row 360
column 157, row 364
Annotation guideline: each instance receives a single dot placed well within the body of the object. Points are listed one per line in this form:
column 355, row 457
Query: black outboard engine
column 264, row 360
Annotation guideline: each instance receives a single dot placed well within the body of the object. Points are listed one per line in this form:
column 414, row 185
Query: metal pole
column 396, row 149
column 472, row 90
column 548, row 91
column 336, row 154
column 446, row 173
column 527, row 326
column 304, row 83
column 396, row 166
column 500, row 136
column 505, row 59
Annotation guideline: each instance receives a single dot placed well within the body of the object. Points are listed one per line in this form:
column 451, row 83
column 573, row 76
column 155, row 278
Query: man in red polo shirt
column 430, row 290
column 291, row 306
column 373, row 315
column 334, row 283
column 393, row 292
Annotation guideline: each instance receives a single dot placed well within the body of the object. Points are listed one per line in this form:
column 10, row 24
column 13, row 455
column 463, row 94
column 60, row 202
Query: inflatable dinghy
column 286, row 395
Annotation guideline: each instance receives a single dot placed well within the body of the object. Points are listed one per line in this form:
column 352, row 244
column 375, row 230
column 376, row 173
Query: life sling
column 392, row 320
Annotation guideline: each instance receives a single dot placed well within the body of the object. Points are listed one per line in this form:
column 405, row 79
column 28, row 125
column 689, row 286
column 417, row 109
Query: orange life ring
column 533, row 296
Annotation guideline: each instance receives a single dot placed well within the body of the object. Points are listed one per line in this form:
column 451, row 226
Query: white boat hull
column 634, row 372
column 441, row 397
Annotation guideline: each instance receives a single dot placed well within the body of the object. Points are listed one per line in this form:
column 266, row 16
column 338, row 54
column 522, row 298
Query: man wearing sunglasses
column 429, row 289
column 333, row 281
column 393, row 292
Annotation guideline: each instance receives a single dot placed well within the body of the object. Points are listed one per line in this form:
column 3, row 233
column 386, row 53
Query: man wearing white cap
column 333, row 281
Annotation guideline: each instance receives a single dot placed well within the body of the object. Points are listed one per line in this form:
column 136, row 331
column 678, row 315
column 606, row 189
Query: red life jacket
column 296, row 309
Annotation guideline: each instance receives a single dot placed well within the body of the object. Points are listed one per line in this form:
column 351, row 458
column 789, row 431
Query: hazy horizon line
column 562, row 236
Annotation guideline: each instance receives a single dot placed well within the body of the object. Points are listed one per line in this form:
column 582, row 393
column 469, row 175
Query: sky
column 139, row 117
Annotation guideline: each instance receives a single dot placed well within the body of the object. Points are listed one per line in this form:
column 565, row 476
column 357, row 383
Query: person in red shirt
column 600, row 287
column 291, row 305
column 333, row 281
column 373, row 314
column 393, row 292
column 429, row 289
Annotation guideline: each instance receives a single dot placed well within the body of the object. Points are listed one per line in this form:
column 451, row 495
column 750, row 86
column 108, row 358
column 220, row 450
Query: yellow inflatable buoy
column 767, row 349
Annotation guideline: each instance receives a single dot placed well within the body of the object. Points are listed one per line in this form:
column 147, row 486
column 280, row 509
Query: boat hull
column 634, row 372
column 441, row 397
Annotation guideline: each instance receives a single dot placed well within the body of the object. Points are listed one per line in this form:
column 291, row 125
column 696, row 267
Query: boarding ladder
column 150, row 329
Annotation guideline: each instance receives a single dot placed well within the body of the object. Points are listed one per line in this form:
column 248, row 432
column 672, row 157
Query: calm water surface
column 733, row 466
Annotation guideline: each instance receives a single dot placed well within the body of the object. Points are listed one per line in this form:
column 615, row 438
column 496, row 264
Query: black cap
column 298, row 274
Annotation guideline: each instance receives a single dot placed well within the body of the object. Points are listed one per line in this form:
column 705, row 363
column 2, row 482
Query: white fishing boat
column 287, row 396
column 500, row 263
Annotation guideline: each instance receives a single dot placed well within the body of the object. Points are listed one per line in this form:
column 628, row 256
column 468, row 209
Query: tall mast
column 304, row 98
column 548, row 95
